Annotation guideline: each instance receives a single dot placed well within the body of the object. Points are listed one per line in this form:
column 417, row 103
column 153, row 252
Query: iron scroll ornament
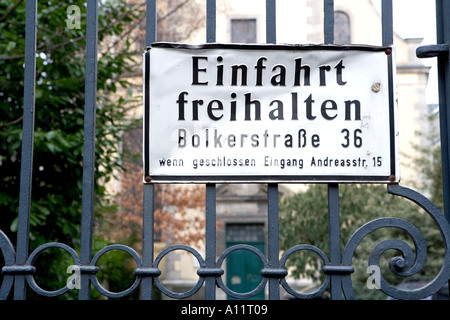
column 409, row 263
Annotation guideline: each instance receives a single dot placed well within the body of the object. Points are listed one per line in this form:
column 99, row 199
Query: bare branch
column 12, row 122
column 175, row 9
column 65, row 43
column 11, row 10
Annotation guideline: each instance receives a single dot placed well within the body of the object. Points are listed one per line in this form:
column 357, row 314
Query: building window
column 243, row 30
column 341, row 28
column 244, row 233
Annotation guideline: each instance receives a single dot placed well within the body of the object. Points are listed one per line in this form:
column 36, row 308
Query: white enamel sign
column 269, row 113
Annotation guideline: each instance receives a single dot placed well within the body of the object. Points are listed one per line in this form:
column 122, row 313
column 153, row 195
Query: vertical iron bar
column 26, row 170
column 148, row 220
column 151, row 22
column 328, row 23
column 273, row 228
column 87, row 209
column 387, row 22
column 443, row 37
column 210, row 205
column 272, row 222
column 147, row 240
column 333, row 189
column 387, row 19
column 271, row 21
column 211, row 21
column 210, row 240
column 335, row 239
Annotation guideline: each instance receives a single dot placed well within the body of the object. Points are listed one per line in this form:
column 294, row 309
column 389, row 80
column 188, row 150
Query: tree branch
column 170, row 12
column 11, row 10
column 12, row 122
column 62, row 44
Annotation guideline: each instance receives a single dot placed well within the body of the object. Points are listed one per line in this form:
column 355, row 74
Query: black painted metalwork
column 27, row 147
column 18, row 270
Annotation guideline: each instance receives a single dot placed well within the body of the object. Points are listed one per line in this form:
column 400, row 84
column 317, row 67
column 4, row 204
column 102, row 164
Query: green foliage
column 304, row 220
column 429, row 162
column 59, row 115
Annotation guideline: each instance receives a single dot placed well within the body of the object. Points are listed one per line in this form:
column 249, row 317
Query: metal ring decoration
column 320, row 289
column 9, row 256
column 94, row 279
column 32, row 258
column 409, row 263
column 261, row 285
column 200, row 281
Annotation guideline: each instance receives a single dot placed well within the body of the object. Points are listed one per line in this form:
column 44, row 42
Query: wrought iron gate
column 18, row 270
